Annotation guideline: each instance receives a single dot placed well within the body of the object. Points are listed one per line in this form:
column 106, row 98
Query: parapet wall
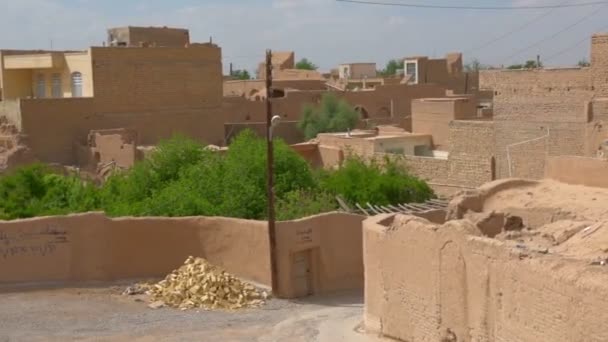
column 425, row 282
column 578, row 170
column 93, row 247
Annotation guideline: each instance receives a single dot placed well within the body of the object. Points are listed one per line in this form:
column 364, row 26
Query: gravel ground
column 103, row 314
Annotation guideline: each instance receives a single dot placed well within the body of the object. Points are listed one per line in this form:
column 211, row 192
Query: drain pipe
column 521, row 143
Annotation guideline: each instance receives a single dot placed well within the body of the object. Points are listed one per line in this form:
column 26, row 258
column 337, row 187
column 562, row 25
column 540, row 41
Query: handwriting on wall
column 41, row 242
column 304, row 235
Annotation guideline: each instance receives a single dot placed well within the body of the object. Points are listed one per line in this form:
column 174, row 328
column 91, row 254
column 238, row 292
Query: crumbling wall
column 11, row 111
column 115, row 148
column 448, row 285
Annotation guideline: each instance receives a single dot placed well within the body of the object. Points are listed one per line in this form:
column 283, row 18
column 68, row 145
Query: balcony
column 34, row 61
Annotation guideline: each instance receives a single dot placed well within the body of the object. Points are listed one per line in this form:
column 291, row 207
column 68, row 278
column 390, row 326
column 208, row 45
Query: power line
column 403, row 4
column 508, row 33
column 539, row 42
column 573, row 46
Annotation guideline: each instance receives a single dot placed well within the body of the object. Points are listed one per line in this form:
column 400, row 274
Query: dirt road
column 103, row 314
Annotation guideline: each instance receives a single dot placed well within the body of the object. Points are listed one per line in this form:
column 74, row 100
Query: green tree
column 530, row 64
column 35, row 190
column 380, row 182
column 241, row 74
column 391, row 67
column 584, row 63
column 182, row 178
column 332, row 115
column 305, row 64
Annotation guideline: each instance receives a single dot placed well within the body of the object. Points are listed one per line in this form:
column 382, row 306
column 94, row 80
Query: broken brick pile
column 199, row 284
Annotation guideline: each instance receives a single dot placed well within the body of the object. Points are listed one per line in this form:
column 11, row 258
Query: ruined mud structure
column 517, row 260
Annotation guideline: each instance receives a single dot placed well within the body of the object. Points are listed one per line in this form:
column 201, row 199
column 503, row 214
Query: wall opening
column 363, row 114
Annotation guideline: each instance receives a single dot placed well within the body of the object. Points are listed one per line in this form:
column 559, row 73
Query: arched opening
column 493, row 168
column 76, row 84
column 363, row 114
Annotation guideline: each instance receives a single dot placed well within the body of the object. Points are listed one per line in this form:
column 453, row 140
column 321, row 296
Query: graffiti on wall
column 40, row 242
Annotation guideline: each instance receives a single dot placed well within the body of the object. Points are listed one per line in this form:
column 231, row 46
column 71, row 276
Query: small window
column 76, row 84
column 40, row 86
column 56, row 91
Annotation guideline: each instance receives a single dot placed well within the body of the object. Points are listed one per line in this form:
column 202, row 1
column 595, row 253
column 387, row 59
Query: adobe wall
column 578, row 170
column 92, row 247
column 475, row 287
column 471, row 152
column 54, row 126
column 599, row 63
column 167, row 37
column 433, row 116
column 538, row 113
column 378, row 103
column 335, row 242
column 137, row 79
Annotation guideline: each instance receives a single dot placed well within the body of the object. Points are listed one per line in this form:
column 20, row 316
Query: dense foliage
column 241, row 75
column 305, row 64
column 530, row 64
column 181, row 178
column 391, row 67
column 332, row 115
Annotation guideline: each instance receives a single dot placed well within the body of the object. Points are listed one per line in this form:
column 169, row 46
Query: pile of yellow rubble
column 198, row 284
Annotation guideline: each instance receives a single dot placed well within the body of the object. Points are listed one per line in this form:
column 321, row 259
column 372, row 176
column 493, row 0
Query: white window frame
column 56, row 86
column 77, row 87
column 40, row 86
column 417, row 74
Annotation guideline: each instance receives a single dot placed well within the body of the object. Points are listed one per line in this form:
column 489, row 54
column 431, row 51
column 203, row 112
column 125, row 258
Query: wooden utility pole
column 270, row 159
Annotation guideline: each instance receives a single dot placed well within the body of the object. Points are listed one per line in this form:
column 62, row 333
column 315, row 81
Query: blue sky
column 324, row 31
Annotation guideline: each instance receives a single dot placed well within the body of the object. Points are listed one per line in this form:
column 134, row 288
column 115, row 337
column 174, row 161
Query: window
column 76, row 84
column 56, row 86
column 411, row 69
column 40, row 86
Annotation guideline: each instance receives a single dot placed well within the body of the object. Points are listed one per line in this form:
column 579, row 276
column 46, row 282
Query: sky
column 325, row 31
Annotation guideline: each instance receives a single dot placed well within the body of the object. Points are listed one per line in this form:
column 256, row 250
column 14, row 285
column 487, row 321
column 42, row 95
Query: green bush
column 181, row 178
column 332, row 115
column 302, row 203
column 35, row 191
column 358, row 181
